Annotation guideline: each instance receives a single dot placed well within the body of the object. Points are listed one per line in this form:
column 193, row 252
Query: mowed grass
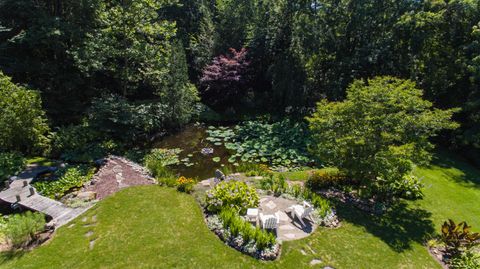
column 154, row 227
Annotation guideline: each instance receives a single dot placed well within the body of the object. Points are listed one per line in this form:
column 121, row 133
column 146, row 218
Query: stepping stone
column 263, row 199
column 286, row 227
column 89, row 233
column 117, row 169
column 271, row 205
column 92, row 243
column 258, row 178
column 290, row 236
column 315, row 262
column 205, row 183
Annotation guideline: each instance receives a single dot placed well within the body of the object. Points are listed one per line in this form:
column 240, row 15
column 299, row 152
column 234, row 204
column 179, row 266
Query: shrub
column 22, row 228
column 115, row 117
column 458, row 238
column 81, row 143
column 323, row 179
column 10, row 164
column 23, row 123
column 388, row 111
column 467, row 260
column 185, row 184
column 69, row 178
column 158, row 160
column 234, row 194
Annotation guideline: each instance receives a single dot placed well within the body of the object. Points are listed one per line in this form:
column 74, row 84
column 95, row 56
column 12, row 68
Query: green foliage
column 80, row 143
column 158, row 160
column 409, row 188
column 68, row 179
column 185, row 184
column 238, row 226
column 170, row 182
column 112, row 116
column 458, row 238
column 254, row 169
column 234, row 194
column 467, row 260
column 324, row 179
column 281, row 144
column 22, row 228
column 23, row 124
column 378, row 132
column 11, row 163
column 276, row 184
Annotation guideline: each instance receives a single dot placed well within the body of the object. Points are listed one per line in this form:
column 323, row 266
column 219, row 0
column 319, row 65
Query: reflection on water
column 192, row 140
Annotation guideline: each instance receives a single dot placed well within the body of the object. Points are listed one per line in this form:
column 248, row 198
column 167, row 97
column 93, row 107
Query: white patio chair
column 301, row 211
column 269, row 221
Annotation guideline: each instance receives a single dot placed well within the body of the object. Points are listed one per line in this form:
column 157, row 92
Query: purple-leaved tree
column 223, row 80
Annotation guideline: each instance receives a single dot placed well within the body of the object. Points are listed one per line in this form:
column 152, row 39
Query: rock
column 87, row 195
column 315, row 262
column 100, row 162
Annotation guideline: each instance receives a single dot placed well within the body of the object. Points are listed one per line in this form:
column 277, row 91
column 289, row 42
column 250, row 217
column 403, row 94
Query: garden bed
column 237, row 242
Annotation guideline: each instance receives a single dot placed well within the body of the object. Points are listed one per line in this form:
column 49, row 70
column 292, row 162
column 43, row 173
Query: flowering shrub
column 234, row 194
column 185, row 184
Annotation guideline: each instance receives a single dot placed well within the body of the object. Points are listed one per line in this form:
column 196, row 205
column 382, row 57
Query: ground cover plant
column 64, row 180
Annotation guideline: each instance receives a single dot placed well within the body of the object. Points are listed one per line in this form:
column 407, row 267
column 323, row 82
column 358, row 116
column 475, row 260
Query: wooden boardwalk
column 20, row 192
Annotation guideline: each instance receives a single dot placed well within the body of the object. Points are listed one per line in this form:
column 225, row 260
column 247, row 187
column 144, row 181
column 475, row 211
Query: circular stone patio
column 288, row 228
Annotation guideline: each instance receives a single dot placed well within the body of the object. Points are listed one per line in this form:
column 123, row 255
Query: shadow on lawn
column 399, row 227
column 468, row 174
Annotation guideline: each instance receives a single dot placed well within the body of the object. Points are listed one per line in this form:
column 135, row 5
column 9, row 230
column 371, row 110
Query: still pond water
column 191, row 141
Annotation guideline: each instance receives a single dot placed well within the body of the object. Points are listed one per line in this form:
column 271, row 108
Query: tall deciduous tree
column 130, row 45
column 378, row 133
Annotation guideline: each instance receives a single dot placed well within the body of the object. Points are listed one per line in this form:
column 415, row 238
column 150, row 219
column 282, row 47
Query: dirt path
column 116, row 174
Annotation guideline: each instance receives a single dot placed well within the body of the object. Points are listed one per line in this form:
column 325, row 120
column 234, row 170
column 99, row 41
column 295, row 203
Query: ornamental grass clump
column 233, row 194
column 238, row 227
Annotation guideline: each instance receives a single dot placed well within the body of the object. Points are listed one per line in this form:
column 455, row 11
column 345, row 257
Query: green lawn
column 151, row 227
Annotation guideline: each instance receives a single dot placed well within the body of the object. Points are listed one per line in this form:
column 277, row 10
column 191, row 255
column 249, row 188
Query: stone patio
column 288, row 229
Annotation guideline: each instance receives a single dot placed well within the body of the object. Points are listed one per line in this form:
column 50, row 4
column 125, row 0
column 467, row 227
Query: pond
column 191, row 140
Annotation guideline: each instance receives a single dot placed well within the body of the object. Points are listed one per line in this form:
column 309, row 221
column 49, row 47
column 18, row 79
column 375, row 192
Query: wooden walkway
column 20, row 192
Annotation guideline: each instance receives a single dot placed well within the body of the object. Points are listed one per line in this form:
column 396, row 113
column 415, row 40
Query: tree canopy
column 378, row 132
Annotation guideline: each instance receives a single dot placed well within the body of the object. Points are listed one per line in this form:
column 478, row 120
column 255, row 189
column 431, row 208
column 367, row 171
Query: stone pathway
column 288, row 229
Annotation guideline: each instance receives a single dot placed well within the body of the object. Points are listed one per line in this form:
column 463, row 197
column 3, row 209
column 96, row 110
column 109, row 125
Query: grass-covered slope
column 154, row 227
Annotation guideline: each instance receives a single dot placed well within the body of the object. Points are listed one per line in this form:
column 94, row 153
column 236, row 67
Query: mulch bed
column 118, row 173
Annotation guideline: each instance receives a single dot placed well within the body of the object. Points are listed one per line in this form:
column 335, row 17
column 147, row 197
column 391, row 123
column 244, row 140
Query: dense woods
column 271, row 56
